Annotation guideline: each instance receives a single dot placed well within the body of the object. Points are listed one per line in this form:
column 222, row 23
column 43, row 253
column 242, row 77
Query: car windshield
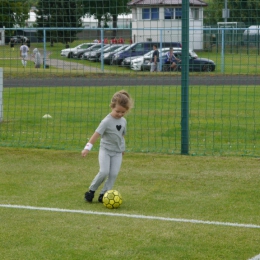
column 95, row 47
column 164, row 50
column 119, row 49
column 193, row 54
column 108, row 48
column 124, row 47
column 112, row 48
column 149, row 53
column 129, row 47
column 85, row 46
column 105, row 48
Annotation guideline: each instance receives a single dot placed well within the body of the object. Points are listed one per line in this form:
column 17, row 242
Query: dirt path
column 70, row 65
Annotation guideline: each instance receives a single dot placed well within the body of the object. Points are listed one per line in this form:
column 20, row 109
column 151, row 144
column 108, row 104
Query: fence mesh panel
column 59, row 103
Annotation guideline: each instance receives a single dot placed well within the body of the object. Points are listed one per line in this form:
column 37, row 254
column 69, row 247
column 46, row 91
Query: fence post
column 161, row 39
column 247, row 42
column 1, row 95
column 44, row 48
column 223, row 52
column 102, row 51
column 185, row 79
column 217, row 39
column 258, row 40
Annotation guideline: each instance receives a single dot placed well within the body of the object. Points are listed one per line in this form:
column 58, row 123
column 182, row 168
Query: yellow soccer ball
column 112, row 199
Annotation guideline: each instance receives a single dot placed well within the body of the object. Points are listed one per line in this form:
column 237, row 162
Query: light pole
column 226, row 12
column 225, row 15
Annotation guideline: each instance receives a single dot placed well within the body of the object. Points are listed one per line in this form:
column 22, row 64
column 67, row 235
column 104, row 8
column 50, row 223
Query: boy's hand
column 84, row 152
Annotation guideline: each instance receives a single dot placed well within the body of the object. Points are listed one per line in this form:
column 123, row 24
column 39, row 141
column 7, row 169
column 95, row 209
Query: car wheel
column 70, row 55
column 207, row 68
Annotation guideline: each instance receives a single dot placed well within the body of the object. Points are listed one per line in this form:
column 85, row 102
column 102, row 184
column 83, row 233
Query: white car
column 136, row 64
column 177, row 52
column 69, row 52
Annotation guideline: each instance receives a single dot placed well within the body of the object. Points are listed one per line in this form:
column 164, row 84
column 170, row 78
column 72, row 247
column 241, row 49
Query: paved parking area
column 70, row 65
column 125, row 80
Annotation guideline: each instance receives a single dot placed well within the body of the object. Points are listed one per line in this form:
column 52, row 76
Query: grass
column 224, row 189
column 201, row 188
column 222, row 119
column 237, row 61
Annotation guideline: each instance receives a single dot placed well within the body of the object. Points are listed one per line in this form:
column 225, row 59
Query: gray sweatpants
column 155, row 67
column 109, row 163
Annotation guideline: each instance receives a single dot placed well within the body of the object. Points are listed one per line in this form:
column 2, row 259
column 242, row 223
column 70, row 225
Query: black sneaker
column 89, row 195
column 100, row 198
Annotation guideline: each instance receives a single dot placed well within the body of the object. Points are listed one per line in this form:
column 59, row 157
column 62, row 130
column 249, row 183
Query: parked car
column 195, row 63
column 95, row 47
column 147, row 60
column 95, row 55
column 19, row 39
column 251, row 35
column 198, row 64
column 127, row 61
column 69, row 52
column 78, row 52
column 140, row 48
column 109, row 55
column 136, row 62
column 92, row 54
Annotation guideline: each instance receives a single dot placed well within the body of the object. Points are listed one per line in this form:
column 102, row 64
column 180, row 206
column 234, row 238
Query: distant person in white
column 37, row 58
column 24, row 54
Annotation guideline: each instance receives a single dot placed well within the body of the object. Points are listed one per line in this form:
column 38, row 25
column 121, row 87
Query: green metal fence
column 60, row 104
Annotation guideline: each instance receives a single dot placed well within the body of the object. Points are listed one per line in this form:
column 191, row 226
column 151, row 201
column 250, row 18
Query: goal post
column 230, row 33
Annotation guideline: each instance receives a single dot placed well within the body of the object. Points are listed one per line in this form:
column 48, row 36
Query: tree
column 59, row 14
column 118, row 7
column 31, row 3
column 106, row 9
column 213, row 12
column 13, row 13
column 247, row 11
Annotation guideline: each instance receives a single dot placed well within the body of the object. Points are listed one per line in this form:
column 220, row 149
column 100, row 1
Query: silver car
column 69, row 52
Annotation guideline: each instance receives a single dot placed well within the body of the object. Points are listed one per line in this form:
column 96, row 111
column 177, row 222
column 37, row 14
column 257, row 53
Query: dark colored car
column 195, row 63
column 95, row 55
column 140, row 48
column 77, row 52
column 198, row 64
column 109, row 55
column 95, row 47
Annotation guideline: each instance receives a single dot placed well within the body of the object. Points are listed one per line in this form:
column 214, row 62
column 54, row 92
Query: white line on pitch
column 193, row 221
column 257, row 257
